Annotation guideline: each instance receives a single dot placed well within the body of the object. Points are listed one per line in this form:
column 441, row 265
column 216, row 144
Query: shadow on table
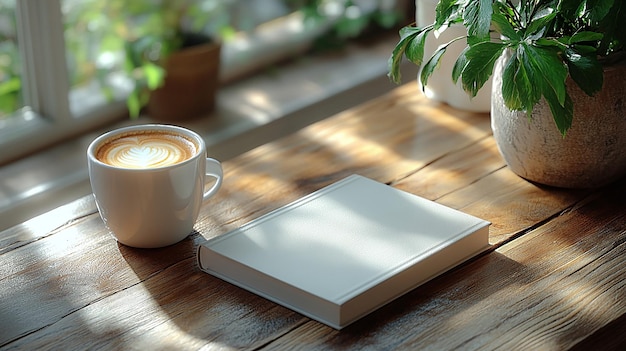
column 202, row 306
column 424, row 315
column 215, row 311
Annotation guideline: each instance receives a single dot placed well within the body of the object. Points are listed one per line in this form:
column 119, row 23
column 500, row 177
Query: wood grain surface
column 554, row 277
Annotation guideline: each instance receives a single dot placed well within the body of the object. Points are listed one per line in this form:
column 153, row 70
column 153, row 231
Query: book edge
column 272, row 289
column 331, row 313
column 348, row 314
column 416, row 260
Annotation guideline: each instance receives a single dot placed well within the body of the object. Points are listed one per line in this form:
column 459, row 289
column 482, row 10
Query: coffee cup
column 149, row 182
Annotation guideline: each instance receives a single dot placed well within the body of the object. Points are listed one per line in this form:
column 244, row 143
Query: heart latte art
column 143, row 150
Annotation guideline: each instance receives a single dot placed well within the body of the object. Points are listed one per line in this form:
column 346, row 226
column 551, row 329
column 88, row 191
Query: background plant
column 10, row 65
column 97, row 36
column 151, row 30
column 350, row 18
column 114, row 47
column 549, row 40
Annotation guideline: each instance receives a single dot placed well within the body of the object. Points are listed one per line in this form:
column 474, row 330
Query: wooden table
column 554, row 278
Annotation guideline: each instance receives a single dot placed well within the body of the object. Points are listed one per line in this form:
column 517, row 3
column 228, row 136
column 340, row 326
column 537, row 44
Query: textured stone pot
column 592, row 154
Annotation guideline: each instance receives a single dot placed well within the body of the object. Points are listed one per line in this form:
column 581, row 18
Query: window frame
column 49, row 118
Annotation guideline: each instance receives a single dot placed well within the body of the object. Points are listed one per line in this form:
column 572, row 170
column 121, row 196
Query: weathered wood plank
column 179, row 307
column 612, row 336
column 386, row 140
column 81, row 282
column 46, row 223
column 512, row 204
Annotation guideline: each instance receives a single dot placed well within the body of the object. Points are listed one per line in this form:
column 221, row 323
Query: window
column 62, row 62
column 10, row 83
column 43, row 115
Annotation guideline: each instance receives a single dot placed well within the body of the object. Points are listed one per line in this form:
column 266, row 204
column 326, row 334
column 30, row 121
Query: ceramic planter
column 440, row 85
column 190, row 85
column 592, row 154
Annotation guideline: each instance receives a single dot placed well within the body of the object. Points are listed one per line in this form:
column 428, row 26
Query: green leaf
column 598, row 9
column 502, row 25
column 432, row 64
column 411, row 43
column 585, row 70
column 111, row 42
column 514, row 83
column 505, row 9
column 525, row 82
column 563, row 114
column 459, row 65
column 613, row 29
column 409, row 31
column 132, row 58
column 546, row 63
column 444, row 12
column 585, row 36
column 480, row 61
column 546, row 75
column 154, row 75
column 10, row 86
column 477, row 18
column 227, row 33
column 133, row 104
column 551, row 42
column 540, row 22
column 8, row 104
column 414, row 50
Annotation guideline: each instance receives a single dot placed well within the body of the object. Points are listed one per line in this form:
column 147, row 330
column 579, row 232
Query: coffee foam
column 146, row 149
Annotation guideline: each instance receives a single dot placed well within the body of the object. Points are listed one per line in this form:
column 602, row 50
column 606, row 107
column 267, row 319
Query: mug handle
column 213, row 169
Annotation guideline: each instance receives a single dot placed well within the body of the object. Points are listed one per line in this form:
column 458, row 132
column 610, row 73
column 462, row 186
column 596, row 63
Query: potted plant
column 173, row 63
column 546, row 53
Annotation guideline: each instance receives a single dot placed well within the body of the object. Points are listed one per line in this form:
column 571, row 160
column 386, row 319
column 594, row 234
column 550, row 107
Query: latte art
column 145, row 155
column 146, row 150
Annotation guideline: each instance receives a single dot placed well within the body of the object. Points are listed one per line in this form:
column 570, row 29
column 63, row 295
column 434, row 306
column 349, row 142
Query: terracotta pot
column 190, row 84
column 592, row 154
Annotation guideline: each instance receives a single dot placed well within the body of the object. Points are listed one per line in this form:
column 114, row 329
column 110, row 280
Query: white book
column 345, row 250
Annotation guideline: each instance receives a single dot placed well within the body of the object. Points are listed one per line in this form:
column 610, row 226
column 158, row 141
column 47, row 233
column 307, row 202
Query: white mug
column 156, row 205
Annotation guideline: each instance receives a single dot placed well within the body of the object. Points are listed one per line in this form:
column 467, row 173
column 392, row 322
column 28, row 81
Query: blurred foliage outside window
column 10, row 69
column 96, row 31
